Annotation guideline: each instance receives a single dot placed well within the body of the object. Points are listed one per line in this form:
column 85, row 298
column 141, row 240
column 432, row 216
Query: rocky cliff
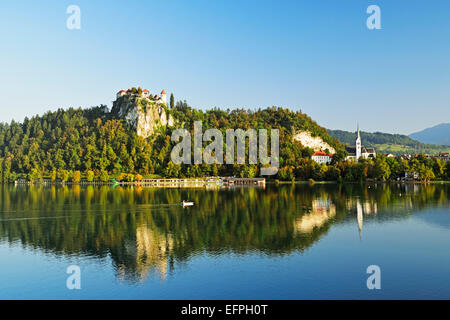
column 315, row 143
column 142, row 114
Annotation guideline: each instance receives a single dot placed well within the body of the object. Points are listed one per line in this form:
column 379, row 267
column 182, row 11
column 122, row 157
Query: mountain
column 389, row 143
column 439, row 134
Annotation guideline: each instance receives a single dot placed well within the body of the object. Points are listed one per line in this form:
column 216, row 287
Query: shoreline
column 359, row 182
column 209, row 183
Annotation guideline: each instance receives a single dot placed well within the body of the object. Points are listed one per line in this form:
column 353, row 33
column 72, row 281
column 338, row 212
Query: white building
column 145, row 94
column 164, row 96
column 444, row 156
column 321, row 157
column 121, row 93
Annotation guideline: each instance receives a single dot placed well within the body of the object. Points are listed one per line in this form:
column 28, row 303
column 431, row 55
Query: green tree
column 35, row 175
column 172, row 101
column 53, row 175
column 76, row 177
column 64, row 175
column 447, row 169
column 104, row 176
column 381, row 169
column 90, row 176
column 439, row 168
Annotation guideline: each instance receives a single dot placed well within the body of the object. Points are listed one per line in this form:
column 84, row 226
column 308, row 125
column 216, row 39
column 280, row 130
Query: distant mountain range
column 439, row 134
column 389, row 143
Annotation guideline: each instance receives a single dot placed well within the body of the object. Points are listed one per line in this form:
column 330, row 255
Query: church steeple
column 359, row 137
column 358, row 144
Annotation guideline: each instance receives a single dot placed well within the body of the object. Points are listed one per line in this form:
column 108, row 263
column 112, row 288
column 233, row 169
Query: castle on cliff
column 142, row 111
column 144, row 93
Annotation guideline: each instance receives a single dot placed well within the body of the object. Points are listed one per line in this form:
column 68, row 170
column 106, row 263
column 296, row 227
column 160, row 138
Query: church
column 358, row 151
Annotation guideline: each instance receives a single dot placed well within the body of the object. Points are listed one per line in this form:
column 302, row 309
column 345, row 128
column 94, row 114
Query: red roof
column 121, row 91
column 321, row 153
column 163, row 92
column 145, row 90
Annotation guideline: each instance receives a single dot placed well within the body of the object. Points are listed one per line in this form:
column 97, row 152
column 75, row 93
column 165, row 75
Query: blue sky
column 317, row 56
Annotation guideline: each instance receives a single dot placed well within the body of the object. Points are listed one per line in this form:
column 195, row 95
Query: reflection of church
column 362, row 209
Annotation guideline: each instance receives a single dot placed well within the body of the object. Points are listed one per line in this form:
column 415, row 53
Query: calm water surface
column 286, row 242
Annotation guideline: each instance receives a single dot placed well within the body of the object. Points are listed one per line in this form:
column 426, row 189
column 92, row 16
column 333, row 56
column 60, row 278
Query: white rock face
column 142, row 114
column 315, row 143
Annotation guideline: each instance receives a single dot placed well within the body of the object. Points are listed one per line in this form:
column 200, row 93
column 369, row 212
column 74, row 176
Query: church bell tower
column 358, row 145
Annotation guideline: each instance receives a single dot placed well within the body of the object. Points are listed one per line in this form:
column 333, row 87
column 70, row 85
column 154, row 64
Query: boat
column 187, row 203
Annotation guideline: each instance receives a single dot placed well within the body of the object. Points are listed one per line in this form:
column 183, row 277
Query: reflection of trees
column 144, row 232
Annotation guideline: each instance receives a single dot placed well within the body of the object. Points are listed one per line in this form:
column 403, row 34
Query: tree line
column 93, row 144
column 381, row 168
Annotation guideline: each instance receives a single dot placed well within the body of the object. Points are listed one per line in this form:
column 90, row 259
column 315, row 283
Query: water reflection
column 322, row 210
column 147, row 233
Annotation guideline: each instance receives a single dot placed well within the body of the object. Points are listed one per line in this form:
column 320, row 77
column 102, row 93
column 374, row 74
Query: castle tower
column 164, row 96
column 358, row 146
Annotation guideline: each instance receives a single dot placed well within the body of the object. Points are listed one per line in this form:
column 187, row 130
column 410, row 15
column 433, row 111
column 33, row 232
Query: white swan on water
column 187, row 203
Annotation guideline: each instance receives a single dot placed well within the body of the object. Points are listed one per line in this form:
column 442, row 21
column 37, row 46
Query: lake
column 279, row 242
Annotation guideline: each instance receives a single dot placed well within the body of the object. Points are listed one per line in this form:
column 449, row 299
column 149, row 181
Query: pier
column 212, row 182
column 231, row 181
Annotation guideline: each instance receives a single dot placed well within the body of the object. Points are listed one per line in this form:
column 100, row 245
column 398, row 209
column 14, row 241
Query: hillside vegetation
column 389, row 143
column 95, row 144
column 69, row 145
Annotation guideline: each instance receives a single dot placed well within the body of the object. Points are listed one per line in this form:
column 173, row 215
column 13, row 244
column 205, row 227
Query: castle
column 144, row 94
column 143, row 111
column 358, row 151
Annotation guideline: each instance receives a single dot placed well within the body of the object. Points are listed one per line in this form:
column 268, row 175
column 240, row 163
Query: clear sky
column 317, row 56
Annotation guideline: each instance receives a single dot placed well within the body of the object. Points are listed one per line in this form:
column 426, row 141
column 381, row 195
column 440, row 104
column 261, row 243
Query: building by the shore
column 321, row 157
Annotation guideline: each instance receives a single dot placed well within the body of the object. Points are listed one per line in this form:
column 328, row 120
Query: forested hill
column 388, row 143
column 69, row 144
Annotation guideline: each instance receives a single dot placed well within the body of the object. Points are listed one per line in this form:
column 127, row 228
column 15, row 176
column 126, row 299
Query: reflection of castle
column 150, row 251
column 322, row 211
